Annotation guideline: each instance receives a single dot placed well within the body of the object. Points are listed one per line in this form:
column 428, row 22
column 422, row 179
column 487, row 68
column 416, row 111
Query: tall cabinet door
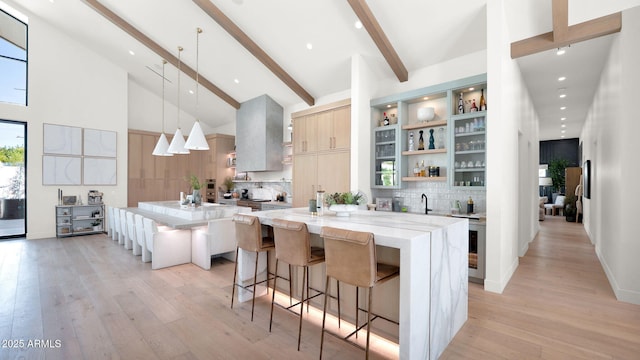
column 305, row 169
column 334, row 171
column 342, row 128
column 305, row 134
column 325, row 130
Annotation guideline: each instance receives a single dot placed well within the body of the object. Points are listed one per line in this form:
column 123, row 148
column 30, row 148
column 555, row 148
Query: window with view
column 13, row 57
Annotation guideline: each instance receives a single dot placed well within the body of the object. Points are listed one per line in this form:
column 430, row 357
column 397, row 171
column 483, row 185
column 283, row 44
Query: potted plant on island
column 228, row 184
column 196, row 186
column 344, row 203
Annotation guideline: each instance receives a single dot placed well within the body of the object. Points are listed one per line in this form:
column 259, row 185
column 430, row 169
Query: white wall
column 68, row 85
column 608, row 139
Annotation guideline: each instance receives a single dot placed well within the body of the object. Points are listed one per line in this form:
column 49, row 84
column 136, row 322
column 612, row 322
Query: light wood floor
column 102, row 302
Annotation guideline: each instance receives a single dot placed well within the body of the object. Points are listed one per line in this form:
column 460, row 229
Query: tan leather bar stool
column 350, row 257
column 294, row 247
column 249, row 238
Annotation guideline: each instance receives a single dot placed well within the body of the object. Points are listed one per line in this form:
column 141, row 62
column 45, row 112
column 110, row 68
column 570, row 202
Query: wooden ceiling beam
column 591, row 29
column 378, row 36
column 560, row 11
column 155, row 47
column 218, row 16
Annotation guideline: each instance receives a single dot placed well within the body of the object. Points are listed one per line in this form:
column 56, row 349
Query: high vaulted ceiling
column 422, row 32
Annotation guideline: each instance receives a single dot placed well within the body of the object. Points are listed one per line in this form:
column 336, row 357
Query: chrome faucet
column 426, row 204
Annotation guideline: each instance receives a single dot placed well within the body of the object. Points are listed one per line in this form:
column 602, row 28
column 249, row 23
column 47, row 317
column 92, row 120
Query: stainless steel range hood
column 259, row 135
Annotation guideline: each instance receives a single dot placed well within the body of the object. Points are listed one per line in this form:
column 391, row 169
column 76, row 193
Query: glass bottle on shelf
column 385, row 120
column 440, row 139
column 421, row 141
column 460, row 105
column 474, row 108
column 411, row 147
column 416, row 170
column 432, row 145
column 423, row 170
column 483, row 102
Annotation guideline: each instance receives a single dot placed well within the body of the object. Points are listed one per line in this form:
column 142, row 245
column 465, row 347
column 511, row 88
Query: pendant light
column 196, row 140
column 177, row 143
column 162, row 147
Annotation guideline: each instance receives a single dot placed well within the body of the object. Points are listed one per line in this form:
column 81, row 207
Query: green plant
column 195, row 182
column 228, row 183
column 347, row 198
column 556, row 173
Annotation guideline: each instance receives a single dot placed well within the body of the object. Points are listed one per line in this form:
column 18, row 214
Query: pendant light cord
column 164, row 62
column 179, row 71
column 198, row 31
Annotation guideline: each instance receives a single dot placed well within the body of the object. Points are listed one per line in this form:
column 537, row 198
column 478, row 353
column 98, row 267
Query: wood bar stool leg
column 273, row 295
column 255, row 280
column 235, row 272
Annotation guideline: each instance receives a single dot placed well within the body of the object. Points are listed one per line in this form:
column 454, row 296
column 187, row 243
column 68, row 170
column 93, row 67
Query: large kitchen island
column 433, row 294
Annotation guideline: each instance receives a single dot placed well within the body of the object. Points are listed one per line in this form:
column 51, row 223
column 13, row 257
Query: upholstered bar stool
column 294, row 247
column 350, row 257
column 126, row 241
column 249, row 238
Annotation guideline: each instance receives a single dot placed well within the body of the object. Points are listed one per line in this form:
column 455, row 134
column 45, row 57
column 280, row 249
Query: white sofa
column 219, row 237
column 167, row 247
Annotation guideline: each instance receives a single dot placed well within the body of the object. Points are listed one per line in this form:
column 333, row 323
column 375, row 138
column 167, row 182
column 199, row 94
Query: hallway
column 558, row 305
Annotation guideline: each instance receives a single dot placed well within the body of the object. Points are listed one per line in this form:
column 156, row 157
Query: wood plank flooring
column 99, row 301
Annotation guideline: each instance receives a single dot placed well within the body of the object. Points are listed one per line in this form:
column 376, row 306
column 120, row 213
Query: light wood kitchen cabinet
column 334, row 129
column 305, row 169
column 322, row 157
column 333, row 171
column 305, row 134
column 155, row 178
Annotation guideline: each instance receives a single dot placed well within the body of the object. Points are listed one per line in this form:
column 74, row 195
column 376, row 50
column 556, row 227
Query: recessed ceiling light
column 309, row 46
column 563, row 96
column 563, row 118
column 236, row 81
column 191, row 92
column 563, row 108
column 562, row 136
column 561, row 51
column 563, row 126
column 131, row 52
column 471, row 89
column 562, row 78
column 358, row 24
column 388, row 106
column 425, row 98
column 563, row 131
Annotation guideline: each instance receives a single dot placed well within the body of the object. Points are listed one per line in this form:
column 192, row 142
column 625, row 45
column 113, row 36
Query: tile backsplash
column 440, row 195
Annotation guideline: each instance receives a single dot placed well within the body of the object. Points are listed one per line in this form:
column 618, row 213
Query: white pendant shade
column 162, row 147
column 177, row 144
column 196, row 140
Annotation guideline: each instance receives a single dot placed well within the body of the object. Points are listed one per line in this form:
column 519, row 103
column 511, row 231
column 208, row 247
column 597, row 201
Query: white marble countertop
column 388, row 227
column 170, row 213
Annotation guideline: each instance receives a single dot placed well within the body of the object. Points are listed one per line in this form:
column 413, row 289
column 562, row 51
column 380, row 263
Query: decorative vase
column 197, row 198
column 343, row 210
column 426, row 114
column 431, row 140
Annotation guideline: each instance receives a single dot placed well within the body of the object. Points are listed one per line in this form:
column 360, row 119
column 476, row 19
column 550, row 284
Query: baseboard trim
column 498, row 287
column 629, row 296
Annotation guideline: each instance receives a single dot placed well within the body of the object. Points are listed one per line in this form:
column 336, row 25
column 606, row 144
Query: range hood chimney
column 259, row 135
